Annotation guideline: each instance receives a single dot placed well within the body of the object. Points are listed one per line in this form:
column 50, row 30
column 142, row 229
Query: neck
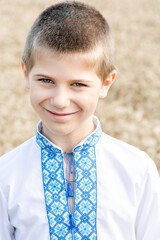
column 68, row 141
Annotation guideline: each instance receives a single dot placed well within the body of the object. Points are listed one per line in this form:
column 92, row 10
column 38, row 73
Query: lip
column 60, row 116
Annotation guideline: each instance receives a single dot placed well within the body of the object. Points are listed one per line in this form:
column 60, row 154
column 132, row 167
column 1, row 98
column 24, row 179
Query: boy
column 72, row 181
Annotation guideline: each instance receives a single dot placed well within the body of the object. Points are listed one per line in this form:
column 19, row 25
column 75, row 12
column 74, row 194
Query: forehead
column 49, row 56
column 87, row 57
column 73, row 65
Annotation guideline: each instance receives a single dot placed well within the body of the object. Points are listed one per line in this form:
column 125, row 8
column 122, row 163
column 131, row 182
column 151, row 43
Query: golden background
column 131, row 112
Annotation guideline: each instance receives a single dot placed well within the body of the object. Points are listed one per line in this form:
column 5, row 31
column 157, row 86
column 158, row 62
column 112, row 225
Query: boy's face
column 64, row 93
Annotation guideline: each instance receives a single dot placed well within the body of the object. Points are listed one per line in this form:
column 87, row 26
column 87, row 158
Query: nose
column 60, row 98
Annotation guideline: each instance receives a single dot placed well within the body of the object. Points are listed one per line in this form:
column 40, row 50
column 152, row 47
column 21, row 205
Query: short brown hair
column 68, row 28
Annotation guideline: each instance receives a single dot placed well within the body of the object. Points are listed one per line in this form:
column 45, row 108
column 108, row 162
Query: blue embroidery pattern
column 85, row 193
column 85, row 189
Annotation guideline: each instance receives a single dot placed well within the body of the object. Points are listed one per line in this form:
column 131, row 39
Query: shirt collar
column 89, row 141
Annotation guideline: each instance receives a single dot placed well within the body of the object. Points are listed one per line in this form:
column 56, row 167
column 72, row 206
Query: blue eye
column 79, row 84
column 45, row 80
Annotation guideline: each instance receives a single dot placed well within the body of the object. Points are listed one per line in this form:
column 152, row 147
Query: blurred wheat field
column 131, row 111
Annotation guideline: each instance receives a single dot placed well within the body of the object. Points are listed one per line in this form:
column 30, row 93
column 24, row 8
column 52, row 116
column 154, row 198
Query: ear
column 107, row 83
column 24, row 69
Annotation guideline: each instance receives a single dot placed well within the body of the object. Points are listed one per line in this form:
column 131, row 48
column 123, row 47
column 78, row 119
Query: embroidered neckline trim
column 89, row 141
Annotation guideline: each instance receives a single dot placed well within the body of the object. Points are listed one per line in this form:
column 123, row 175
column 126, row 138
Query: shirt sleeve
column 6, row 230
column 148, row 215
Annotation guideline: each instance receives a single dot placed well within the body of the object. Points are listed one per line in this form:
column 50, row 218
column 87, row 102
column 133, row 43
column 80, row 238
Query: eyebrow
column 43, row 75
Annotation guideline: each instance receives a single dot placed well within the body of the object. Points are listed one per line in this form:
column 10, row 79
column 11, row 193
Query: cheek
column 37, row 95
column 88, row 103
column 34, row 97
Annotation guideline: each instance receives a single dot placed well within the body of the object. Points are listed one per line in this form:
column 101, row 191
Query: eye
column 45, row 80
column 77, row 84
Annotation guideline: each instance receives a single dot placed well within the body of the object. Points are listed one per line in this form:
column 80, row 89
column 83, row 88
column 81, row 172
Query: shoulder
column 20, row 150
column 124, row 156
column 131, row 166
column 12, row 162
column 118, row 147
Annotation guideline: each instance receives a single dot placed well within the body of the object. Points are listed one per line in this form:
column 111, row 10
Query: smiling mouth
column 60, row 114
